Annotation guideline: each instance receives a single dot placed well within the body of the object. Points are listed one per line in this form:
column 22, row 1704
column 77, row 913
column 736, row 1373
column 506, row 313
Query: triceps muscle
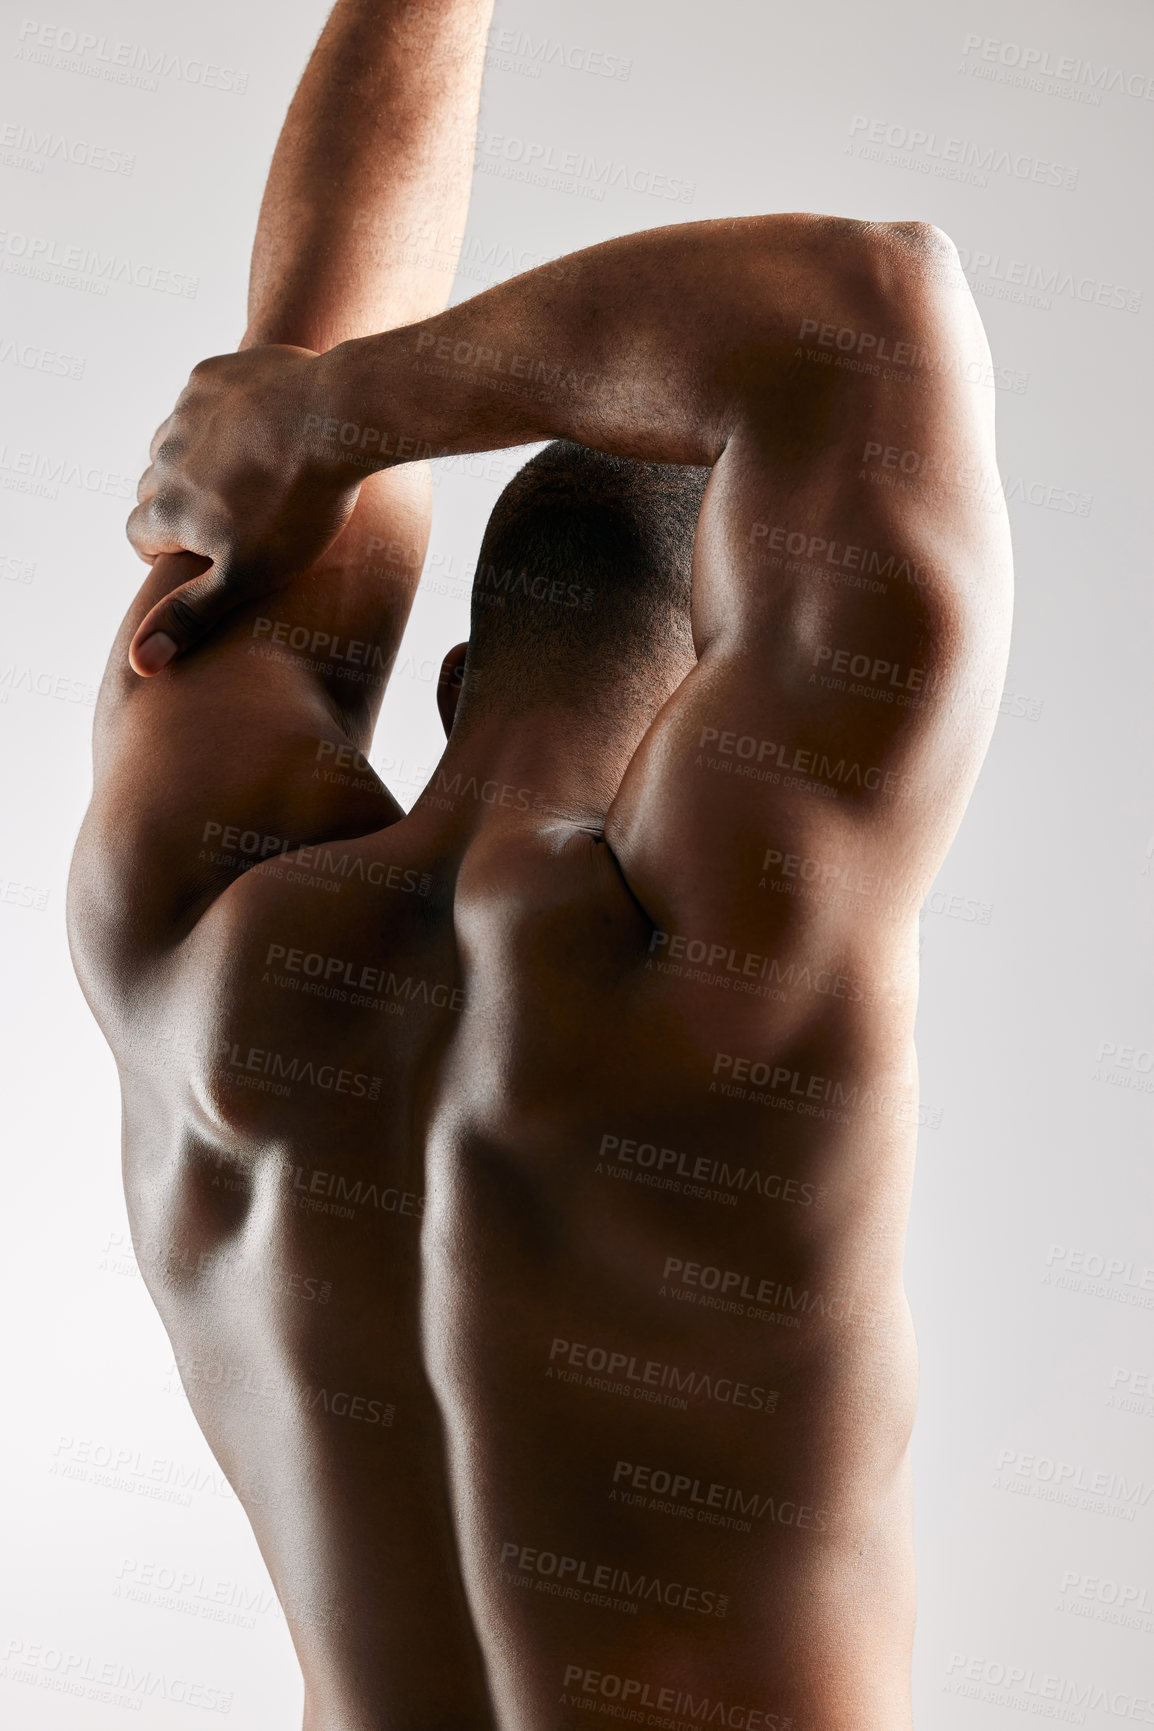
column 851, row 620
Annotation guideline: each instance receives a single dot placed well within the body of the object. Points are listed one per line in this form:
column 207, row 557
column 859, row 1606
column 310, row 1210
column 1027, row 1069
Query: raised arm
column 658, row 345
column 365, row 205
column 371, row 175
column 852, row 571
column 854, row 520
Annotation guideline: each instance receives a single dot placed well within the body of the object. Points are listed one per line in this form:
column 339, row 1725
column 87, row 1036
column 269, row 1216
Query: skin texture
column 488, row 1163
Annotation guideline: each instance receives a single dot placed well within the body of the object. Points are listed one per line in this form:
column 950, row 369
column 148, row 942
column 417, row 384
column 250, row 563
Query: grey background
column 1031, row 1255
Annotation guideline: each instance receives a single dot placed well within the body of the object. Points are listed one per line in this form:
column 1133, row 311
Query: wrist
column 331, row 421
column 350, row 423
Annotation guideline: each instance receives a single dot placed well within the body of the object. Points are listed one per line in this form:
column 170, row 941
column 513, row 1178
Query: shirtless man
column 523, row 1181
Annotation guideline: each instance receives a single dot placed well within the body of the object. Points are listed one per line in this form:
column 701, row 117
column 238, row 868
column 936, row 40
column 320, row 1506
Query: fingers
column 158, row 438
column 186, row 614
column 145, row 530
column 162, row 520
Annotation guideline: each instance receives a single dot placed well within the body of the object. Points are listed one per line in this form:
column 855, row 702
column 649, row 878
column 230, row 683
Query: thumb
column 189, row 610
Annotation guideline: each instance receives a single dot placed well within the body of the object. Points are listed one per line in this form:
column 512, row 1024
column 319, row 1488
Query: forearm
column 368, row 191
column 652, row 346
column 660, row 347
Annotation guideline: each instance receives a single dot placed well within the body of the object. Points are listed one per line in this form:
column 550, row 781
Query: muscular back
column 662, row 1330
column 523, row 1182
column 665, row 1311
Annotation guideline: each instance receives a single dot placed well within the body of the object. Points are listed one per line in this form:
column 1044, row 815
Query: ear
column 449, row 685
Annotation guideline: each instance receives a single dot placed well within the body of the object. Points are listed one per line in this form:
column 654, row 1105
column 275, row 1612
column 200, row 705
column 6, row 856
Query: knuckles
column 214, row 478
column 211, row 365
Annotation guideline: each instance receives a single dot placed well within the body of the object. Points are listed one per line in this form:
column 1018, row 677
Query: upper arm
column 248, row 746
column 851, row 601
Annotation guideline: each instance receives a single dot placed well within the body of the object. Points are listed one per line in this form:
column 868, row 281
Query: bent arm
column 852, row 574
column 655, row 346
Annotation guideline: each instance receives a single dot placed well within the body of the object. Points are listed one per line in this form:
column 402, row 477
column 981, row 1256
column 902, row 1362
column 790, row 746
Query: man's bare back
column 523, row 1180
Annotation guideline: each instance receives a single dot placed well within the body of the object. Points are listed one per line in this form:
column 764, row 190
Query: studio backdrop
column 134, row 143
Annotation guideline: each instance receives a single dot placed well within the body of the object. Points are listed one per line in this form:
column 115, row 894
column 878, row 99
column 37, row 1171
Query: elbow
column 904, row 278
column 885, row 261
column 923, row 241
column 917, row 257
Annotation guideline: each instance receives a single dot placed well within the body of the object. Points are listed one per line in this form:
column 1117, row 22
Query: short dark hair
column 584, row 576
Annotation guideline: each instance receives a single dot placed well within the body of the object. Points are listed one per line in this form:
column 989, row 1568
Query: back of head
column 583, row 583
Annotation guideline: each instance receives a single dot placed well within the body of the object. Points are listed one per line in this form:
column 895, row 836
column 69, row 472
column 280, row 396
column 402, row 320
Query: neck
column 553, row 761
